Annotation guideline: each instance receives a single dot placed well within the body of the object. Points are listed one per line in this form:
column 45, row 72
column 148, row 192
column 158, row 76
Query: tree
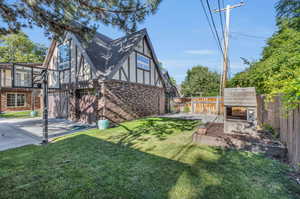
column 19, row 48
column 200, row 81
column 277, row 72
column 58, row 16
column 173, row 81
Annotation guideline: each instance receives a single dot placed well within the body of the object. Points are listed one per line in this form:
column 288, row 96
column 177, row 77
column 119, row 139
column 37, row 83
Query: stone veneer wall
column 117, row 101
column 28, row 105
column 127, row 101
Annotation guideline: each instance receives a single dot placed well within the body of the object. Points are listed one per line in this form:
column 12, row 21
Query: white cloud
column 199, row 52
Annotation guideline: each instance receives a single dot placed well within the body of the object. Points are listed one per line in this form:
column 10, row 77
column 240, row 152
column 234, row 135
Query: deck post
column 45, row 103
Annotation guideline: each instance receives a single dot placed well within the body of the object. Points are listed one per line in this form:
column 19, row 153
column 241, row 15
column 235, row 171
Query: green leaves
column 200, row 81
column 57, row 16
column 18, row 48
column 278, row 71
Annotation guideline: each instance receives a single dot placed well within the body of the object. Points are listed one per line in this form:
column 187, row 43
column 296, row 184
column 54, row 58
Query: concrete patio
column 192, row 116
column 19, row 132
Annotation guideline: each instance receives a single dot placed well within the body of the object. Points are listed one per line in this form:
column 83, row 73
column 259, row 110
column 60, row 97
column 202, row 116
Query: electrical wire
column 214, row 31
column 248, row 35
column 214, row 26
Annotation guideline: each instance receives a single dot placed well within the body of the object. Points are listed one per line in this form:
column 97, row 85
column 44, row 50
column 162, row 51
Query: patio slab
column 19, row 132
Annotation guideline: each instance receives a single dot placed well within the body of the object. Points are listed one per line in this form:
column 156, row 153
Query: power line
column 214, row 26
column 248, row 35
column 211, row 28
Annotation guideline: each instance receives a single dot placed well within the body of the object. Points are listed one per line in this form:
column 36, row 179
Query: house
column 104, row 78
column 18, row 89
column 171, row 89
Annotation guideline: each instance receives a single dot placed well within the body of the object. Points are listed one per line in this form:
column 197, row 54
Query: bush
column 269, row 129
column 186, row 109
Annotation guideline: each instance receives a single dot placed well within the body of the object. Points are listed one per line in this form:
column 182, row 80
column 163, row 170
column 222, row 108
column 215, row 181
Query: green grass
column 17, row 114
column 148, row 158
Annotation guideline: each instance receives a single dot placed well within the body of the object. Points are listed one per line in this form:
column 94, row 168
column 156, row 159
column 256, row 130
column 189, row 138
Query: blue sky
column 182, row 38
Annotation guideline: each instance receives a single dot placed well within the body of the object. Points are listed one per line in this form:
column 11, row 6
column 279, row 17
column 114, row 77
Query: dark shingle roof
column 106, row 53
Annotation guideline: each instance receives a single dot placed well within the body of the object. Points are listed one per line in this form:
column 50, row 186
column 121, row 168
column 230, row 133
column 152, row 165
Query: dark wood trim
column 154, row 76
column 143, row 69
column 156, row 81
column 120, row 74
column 13, row 76
column 70, row 73
column 107, row 81
column 128, row 65
column 123, row 71
column 150, row 73
column 79, row 66
column 143, row 45
column 83, row 69
column 76, row 60
column 136, row 68
column 143, row 54
column 148, row 45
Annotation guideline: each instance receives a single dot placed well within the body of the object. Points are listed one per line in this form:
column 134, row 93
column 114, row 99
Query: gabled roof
column 105, row 53
column 168, row 83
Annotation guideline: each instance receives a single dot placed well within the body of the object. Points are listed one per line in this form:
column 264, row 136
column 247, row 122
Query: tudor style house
column 18, row 89
column 104, row 78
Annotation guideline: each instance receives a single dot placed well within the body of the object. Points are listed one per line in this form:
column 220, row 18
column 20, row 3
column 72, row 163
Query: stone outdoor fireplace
column 240, row 110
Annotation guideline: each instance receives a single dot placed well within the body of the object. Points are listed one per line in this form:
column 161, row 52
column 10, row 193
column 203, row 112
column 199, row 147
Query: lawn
column 148, row 158
column 17, row 114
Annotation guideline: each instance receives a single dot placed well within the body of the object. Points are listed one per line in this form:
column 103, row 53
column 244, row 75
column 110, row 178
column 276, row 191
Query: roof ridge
column 142, row 30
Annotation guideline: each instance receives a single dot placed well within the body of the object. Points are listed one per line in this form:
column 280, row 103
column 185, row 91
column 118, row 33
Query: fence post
column 218, row 105
column 192, row 104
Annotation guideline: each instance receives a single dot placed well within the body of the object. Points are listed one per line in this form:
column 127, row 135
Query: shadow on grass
column 86, row 167
column 158, row 127
column 233, row 174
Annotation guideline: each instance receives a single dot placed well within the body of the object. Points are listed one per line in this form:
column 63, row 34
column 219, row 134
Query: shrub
column 186, row 109
column 269, row 129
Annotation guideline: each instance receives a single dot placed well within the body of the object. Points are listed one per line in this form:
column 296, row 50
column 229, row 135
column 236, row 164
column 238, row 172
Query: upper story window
column 143, row 62
column 64, row 56
column 23, row 76
column 5, row 78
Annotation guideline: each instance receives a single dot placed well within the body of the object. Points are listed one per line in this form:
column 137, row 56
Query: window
column 143, row 62
column 5, row 77
column 15, row 100
column 64, row 56
column 23, row 76
column 239, row 113
column 80, row 93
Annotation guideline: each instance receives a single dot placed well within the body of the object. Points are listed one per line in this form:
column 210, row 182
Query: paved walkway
column 12, row 137
column 203, row 117
column 19, row 132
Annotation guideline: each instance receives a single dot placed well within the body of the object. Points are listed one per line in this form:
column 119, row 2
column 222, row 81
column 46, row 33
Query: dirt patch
column 212, row 134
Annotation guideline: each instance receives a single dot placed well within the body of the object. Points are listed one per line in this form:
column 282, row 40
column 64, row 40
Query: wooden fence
column 288, row 124
column 200, row 105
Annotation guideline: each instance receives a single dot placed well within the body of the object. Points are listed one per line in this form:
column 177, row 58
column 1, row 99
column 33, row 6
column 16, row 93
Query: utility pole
column 226, row 44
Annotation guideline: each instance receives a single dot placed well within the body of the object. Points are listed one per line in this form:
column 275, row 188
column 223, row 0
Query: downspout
column 104, row 101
